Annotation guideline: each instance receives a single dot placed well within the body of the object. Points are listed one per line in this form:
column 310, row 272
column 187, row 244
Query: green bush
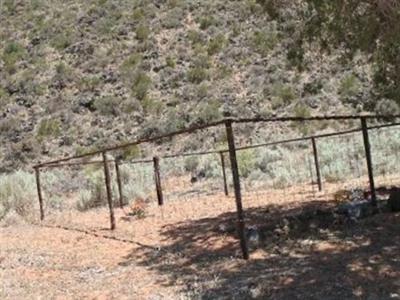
column 142, row 33
column 197, row 74
column 383, row 107
column 4, row 97
column 16, row 193
column 276, row 103
column 202, row 60
column 95, row 196
column 131, row 152
column 264, row 41
column 152, row 106
column 302, row 111
column 8, row 125
column 284, row 93
column 206, row 22
column 63, row 72
column 246, row 162
column 62, row 40
column 13, row 52
column 131, row 66
column 107, row 105
column 138, row 14
column 313, row 88
column 49, row 127
column 90, row 83
column 170, row 61
column 349, row 86
column 191, row 164
column 137, row 181
column 208, row 112
column 14, row 48
column 107, row 25
column 175, row 3
column 141, row 85
column 216, row 44
column 295, row 56
column 10, row 6
column 173, row 19
column 194, row 37
column 202, row 90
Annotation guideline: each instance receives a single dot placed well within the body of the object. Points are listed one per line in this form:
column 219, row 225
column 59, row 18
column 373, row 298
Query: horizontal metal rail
column 314, row 136
column 137, row 142
column 54, row 165
column 324, row 135
column 313, row 118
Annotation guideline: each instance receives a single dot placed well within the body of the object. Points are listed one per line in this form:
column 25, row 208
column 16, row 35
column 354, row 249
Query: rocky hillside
column 82, row 74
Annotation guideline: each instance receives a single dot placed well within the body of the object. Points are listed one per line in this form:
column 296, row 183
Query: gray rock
column 254, row 236
column 356, row 210
column 394, row 200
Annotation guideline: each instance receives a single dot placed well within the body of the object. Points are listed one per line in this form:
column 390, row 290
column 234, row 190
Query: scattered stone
column 86, row 102
column 25, row 101
column 35, row 41
column 356, row 210
column 254, row 236
column 198, row 176
column 226, row 228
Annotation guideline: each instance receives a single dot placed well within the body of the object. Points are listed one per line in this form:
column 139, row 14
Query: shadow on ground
column 305, row 252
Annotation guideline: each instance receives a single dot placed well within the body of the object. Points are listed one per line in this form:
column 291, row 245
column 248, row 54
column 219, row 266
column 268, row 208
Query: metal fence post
column 39, row 191
column 157, row 179
column 119, row 183
column 108, row 189
column 236, row 184
column 224, row 173
column 367, row 147
column 316, row 162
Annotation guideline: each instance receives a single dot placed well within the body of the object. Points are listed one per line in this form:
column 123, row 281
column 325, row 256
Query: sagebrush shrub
column 16, row 193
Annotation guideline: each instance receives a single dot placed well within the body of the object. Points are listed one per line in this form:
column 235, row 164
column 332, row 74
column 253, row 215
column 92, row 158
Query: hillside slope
column 84, row 74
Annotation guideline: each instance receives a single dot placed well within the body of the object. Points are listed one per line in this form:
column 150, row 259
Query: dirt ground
column 189, row 250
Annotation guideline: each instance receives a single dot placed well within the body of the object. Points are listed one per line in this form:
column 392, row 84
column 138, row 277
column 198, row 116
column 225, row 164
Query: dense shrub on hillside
column 87, row 62
column 16, row 193
column 197, row 74
column 264, row 41
column 349, row 86
column 49, row 128
column 107, row 105
column 140, row 85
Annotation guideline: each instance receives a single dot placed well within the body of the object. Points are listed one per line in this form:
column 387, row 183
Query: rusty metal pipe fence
column 232, row 150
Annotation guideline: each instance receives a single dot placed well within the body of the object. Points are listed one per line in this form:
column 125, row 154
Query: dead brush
column 342, row 196
column 138, row 208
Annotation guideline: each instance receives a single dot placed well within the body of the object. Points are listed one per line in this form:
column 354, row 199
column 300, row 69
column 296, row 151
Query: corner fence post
column 236, row 184
column 316, row 162
column 157, row 179
column 108, row 189
column 39, row 191
column 367, row 147
column 119, row 183
column 224, row 173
